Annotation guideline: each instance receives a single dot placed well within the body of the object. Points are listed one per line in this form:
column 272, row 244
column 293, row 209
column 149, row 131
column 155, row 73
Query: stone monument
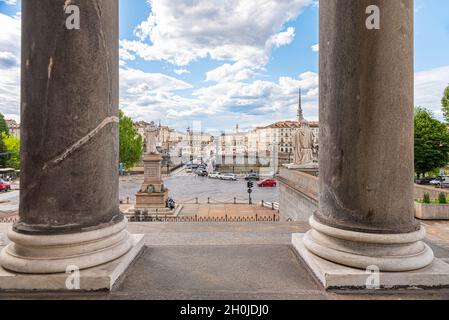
column 152, row 196
column 304, row 144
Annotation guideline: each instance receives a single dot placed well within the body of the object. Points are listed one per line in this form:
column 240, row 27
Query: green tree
column 12, row 146
column 431, row 142
column 3, row 125
column 3, row 129
column 130, row 142
column 445, row 104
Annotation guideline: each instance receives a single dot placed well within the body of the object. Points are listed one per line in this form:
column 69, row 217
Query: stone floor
column 229, row 261
column 222, row 209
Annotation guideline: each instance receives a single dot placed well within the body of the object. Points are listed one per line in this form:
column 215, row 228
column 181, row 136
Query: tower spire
column 300, row 115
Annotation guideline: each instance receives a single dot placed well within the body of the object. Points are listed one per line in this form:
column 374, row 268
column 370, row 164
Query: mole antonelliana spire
column 300, row 115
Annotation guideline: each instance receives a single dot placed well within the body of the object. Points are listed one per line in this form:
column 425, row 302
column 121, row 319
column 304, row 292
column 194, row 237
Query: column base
column 387, row 252
column 44, row 254
column 102, row 277
column 335, row 276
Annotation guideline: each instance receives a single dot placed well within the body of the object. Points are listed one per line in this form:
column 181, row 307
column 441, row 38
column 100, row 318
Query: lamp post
column 168, row 158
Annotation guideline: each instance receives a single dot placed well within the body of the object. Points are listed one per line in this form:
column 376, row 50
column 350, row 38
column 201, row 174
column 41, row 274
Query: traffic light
column 250, row 184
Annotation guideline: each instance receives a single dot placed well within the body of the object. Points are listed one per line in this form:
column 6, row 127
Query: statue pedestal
column 151, row 200
column 152, row 194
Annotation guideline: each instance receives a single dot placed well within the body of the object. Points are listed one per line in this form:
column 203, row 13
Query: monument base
column 102, row 277
column 153, row 212
column 156, row 200
column 335, row 276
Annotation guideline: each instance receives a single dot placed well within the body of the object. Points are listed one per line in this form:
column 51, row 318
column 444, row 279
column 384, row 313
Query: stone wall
column 298, row 195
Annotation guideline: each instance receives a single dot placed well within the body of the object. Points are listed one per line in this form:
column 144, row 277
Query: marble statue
column 151, row 140
column 303, row 144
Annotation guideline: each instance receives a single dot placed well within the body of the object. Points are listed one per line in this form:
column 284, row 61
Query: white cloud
column 265, row 99
column 282, row 38
column 239, row 71
column 152, row 96
column 126, row 55
column 10, row 34
column 180, row 31
column 181, row 71
column 8, row 59
column 429, row 88
column 10, row 66
column 9, row 2
column 316, row 48
column 137, row 81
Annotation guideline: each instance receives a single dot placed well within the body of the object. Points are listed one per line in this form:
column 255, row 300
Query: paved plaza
column 229, row 261
column 229, row 210
column 185, row 187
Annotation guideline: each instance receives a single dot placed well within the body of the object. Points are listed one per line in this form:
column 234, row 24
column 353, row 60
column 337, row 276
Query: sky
column 227, row 62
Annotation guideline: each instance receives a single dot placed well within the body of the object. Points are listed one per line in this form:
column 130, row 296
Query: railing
column 234, row 200
column 196, row 218
column 271, row 205
column 9, row 219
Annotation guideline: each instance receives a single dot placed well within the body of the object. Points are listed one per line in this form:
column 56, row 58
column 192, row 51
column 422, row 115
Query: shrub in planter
column 442, row 198
column 426, row 198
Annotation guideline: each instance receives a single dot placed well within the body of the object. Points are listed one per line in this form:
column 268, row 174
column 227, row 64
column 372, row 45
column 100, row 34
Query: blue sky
column 229, row 61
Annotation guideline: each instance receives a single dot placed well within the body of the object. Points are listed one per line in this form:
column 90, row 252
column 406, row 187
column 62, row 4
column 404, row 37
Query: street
column 185, row 187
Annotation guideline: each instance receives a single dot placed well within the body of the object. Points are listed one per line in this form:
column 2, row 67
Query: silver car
column 228, row 176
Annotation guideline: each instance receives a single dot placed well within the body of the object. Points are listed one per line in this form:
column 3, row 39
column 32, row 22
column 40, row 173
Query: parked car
column 425, row 181
column 201, row 173
column 228, row 176
column 4, row 186
column 442, row 182
column 214, row 175
column 189, row 169
column 252, row 176
column 269, row 182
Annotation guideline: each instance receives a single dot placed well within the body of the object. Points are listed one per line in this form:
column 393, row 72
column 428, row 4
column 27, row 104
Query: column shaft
column 69, row 174
column 366, row 212
column 69, row 214
column 366, row 117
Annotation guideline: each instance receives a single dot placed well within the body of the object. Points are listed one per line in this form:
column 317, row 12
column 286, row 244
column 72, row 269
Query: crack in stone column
column 81, row 142
column 99, row 11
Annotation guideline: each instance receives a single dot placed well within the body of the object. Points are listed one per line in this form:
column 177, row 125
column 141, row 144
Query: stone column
column 69, row 212
column 366, row 210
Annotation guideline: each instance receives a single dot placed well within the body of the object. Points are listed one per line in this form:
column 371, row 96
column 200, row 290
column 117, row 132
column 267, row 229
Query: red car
column 4, row 186
column 270, row 182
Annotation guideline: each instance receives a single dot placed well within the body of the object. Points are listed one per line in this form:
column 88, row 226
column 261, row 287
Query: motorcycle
column 171, row 204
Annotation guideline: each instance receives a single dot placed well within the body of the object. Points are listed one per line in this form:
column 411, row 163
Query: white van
column 442, row 182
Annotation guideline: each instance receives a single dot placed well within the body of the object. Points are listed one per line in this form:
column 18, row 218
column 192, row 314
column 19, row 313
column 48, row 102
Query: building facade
column 14, row 128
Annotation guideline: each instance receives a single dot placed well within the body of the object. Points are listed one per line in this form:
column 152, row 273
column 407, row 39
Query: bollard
column 235, row 200
column 208, row 200
column 272, row 206
column 196, row 200
column 127, row 200
column 262, row 203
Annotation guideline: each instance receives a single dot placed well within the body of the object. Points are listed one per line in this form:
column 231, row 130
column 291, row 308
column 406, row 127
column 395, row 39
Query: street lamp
column 168, row 158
